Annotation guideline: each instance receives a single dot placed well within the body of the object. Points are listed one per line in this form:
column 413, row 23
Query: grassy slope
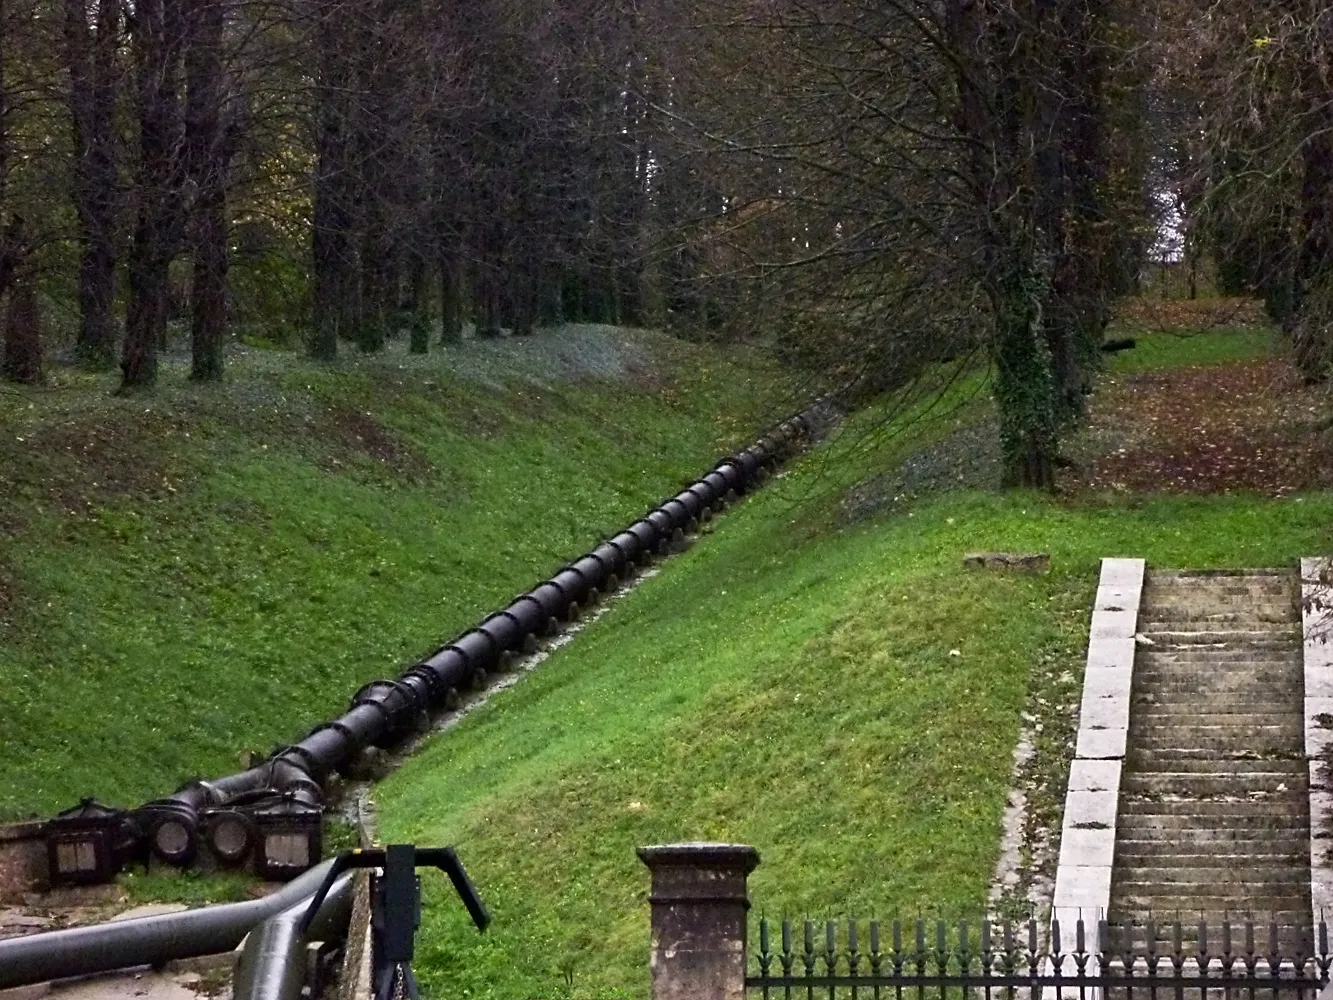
column 789, row 683
column 188, row 575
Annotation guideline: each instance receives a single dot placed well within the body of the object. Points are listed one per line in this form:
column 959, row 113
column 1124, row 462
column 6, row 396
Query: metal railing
column 990, row 959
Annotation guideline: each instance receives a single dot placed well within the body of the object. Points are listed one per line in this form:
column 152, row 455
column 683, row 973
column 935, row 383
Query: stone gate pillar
column 699, row 902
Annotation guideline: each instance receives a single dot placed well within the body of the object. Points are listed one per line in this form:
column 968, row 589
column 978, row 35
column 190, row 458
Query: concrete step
column 1197, row 711
column 1230, row 734
column 1268, row 879
column 1224, row 840
column 1148, row 659
column 1165, row 759
column 1293, row 926
column 1255, row 642
column 1141, row 860
column 1275, row 813
column 1283, row 737
column 1277, row 651
column 1262, row 609
column 1209, row 787
column 1167, row 667
column 1272, row 620
column 1133, row 899
column 1207, row 670
column 1290, row 768
column 1231, row 730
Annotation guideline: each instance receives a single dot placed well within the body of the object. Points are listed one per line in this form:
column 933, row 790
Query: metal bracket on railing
column 396, row 906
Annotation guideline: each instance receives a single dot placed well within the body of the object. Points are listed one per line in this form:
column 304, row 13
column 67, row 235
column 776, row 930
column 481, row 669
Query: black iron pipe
column 689, row 499
column 629, row 545
column 478, row 649
column 504, row 629
column 551, row 598
column 593, row 569
column 529, row 614
column 572, row 584
column 81, row 951
column 663, row 522
column 449, row 665
column 383, row 711
column 610, row 556
column 717, row 483
column 272, row 965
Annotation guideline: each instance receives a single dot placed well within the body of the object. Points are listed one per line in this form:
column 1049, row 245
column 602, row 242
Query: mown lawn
column 841, row 694
column 1183, row 348
column 202, row 571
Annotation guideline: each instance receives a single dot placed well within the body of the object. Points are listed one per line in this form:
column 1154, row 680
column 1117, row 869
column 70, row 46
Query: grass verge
column 844, row 696
column 210, row 570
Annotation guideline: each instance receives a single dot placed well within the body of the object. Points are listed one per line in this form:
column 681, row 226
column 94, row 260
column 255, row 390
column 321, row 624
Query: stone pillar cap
column 698, row 854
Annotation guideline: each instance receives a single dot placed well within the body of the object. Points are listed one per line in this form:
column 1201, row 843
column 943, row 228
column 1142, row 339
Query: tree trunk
column 331, row 244
column 22, row 359
column 451, row 297
column 1310, row 340
column 208, row 161
column 377, row 298
column 1024, row 390
column 156, row 44
column 418, row 303
column 91, row 58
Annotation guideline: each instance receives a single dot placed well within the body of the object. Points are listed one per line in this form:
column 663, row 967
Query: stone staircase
column 1214, row 816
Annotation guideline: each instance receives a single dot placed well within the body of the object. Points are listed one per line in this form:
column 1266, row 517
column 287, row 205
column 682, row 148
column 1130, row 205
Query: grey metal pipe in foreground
column 80, row 951
column 272, row 964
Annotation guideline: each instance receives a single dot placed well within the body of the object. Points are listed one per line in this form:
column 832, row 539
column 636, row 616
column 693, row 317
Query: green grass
column 844, row 696
column 205, row 571
column 1153, row 351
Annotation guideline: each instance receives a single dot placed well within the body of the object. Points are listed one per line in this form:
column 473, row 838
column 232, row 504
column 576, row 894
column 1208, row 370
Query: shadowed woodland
column 873, row 187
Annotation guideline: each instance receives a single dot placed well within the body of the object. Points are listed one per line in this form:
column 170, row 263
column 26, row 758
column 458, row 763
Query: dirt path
column 1247, row 426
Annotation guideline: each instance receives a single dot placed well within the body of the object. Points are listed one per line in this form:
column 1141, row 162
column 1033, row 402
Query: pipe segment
column 122, row 944
column 272, row 963
column 383, row 711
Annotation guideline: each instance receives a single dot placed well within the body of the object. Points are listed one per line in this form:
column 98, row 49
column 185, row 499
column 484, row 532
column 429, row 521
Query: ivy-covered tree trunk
column 1025, row 385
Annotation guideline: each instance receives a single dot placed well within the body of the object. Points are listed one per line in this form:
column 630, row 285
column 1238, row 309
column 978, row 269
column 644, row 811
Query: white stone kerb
column 1087, row 838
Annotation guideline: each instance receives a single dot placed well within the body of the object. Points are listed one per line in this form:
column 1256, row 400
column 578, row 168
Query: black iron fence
column 918, row 960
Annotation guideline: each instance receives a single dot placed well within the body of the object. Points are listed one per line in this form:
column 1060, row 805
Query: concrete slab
column 1109, row 682
column 1114, row 624
column 1087, row 839
column 1321, row 814
column 1094, row 775
column 1108, row 652
column 1122, row 572
column 1069, row 917
column 1316, row 732
column 1318, row 739
column 1083, row 887
column 1102, row 744
column 1117, row 598
column 1091, row 809
column 1104, row 713
column 1081, row 848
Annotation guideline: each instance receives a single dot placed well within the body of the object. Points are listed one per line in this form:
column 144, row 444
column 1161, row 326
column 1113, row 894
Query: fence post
column 699, row 902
